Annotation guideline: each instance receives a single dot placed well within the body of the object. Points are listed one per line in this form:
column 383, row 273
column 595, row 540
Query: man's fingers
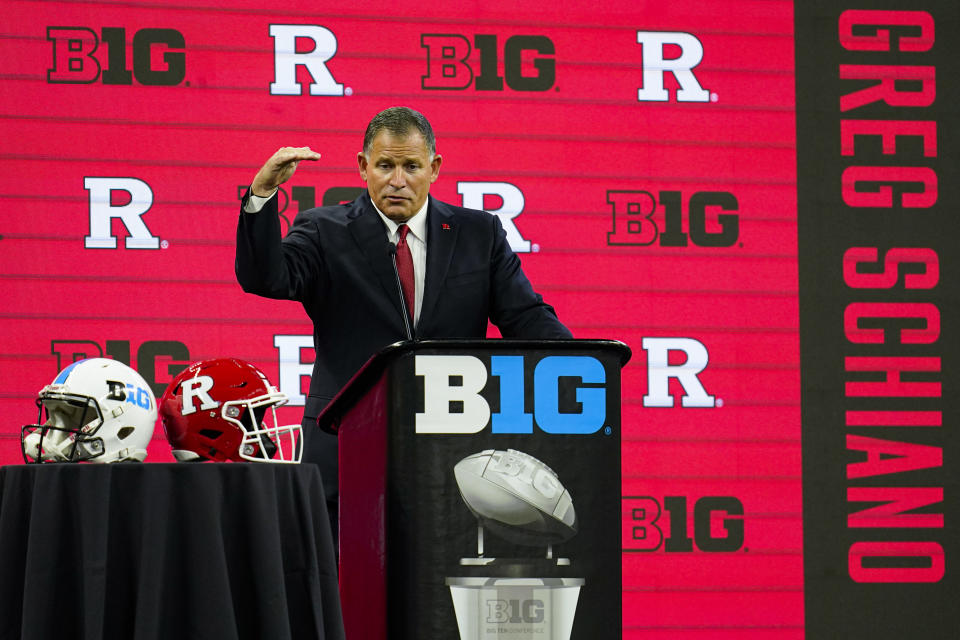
column 286, row 155
column 280, row 167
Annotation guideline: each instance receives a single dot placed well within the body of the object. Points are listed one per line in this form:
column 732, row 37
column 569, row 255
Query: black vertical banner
column 879, row 254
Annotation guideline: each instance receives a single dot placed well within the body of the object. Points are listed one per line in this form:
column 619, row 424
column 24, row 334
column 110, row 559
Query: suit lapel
column 441, row 240
column 371, row 237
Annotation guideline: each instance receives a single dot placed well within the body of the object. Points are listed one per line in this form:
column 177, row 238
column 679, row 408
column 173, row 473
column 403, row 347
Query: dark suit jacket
column 336, row 261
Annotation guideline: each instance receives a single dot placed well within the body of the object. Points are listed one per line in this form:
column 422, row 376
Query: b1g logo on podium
column 569, row 394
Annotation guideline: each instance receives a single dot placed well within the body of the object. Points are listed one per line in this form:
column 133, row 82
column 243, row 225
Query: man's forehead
column 411, row 143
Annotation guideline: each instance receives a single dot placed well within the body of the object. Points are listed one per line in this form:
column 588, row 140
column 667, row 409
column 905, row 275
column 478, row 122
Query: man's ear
column 435, row 167
column 362, row 165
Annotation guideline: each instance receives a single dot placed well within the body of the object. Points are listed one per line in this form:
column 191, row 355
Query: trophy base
column 515, row 607
column 519, row 567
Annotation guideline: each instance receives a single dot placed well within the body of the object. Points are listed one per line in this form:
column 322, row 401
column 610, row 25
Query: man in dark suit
column 338, row 262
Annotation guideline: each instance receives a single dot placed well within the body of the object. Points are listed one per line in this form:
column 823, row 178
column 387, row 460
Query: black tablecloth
column 158, row 551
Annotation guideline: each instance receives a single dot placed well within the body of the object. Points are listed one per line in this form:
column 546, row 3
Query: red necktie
column 405, row 269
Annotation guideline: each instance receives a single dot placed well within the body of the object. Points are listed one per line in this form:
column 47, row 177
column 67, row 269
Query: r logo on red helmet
column 197, row 388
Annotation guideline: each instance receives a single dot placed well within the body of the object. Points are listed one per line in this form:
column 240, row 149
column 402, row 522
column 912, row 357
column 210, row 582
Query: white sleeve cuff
column 255, row 203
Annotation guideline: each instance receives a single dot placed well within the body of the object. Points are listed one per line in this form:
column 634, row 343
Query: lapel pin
column 444, row 226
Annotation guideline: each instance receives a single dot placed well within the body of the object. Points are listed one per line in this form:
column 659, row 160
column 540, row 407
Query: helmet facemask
column 67, row 434
column 262, row 442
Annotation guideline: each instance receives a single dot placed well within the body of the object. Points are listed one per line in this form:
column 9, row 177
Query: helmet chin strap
column 136, row 455
column 52, row 449
column 57, row 449
column 183, row 455
column 31, row 445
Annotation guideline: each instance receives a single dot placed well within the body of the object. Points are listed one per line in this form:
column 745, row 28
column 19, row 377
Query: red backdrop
column 641, row 213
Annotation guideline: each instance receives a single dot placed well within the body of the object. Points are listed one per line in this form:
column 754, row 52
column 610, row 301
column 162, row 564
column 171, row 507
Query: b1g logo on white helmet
column 197, row 389
column 130, row 393
column 453, row 384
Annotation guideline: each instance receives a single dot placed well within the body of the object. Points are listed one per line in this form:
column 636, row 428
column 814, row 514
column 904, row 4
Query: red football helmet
column 215, row 410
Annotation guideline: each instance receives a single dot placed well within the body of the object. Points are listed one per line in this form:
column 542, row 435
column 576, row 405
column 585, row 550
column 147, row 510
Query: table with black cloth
column 166, row 551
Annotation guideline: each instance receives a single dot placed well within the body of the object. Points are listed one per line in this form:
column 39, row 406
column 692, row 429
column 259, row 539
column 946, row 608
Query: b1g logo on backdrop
column 675, row 53
column 475, row 195
column 305, row 198
column 640, row 220
column 309, row 46
column 569, row 394
column 448, row 67
column 125, row 199
column 717, row 524
column 158, row 361
column 81, row 57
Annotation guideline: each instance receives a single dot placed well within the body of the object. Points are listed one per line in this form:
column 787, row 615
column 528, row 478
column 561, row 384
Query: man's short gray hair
column 400, row 121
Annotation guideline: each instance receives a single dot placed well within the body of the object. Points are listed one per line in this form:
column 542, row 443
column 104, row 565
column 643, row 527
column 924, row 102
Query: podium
column 480, row 490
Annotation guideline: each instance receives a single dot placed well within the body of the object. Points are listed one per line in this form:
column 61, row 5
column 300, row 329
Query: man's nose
column 397, row 179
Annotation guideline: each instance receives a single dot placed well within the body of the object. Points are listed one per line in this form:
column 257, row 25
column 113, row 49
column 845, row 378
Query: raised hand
column 279, row 168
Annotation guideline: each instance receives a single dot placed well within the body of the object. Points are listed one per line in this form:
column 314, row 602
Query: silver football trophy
column 520, row 499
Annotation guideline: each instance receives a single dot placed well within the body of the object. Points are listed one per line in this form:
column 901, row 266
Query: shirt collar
column 417, row 222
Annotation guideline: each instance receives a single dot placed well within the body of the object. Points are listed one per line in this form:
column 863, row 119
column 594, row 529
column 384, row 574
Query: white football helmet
column 95, row 410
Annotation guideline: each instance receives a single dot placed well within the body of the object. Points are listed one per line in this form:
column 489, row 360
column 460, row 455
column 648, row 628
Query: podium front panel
column 503, row 493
